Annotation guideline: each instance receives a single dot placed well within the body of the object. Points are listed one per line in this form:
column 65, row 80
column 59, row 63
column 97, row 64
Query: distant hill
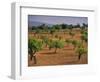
column 35, row 23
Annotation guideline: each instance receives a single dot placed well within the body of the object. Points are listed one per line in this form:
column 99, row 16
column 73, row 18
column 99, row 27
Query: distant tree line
column 45, row 27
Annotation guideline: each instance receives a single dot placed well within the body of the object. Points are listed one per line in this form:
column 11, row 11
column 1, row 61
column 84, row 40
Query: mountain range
column 35, row 23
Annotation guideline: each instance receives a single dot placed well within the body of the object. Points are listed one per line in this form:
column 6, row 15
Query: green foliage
column 79, row 44
column 34, row 46
column 56, row 36
column 69, row 41
column 52, row 31
column 51, row 44
column 78, row 26
column 84, row 25
column 56, row 44
column 38, row 31
column 81, row 51
column 58, row 27
column 45, row 40
column 84, row 36
column 64, row 26
column 71, row 33
column 82, row 31
column 75, row 43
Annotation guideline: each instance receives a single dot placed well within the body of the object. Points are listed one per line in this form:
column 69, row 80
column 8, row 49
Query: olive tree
column 74, row 43
column 56, row 44
column 33, row 47
column 37, row 31
column 84, row 36
column 81, row 51
column 45, row 41
column 68, row 42
column 52, row 31
column 84, row 26
column 71, row 34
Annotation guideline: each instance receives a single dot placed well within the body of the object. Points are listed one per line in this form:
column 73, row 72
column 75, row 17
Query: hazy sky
column 57, row 19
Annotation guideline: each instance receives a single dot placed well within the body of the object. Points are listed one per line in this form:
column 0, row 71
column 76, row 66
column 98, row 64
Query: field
column 57, row 46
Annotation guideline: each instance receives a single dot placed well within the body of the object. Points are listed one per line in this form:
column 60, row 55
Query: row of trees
column 58, row 27
column 51, row 30
column 83, row 37
column 35, row 45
